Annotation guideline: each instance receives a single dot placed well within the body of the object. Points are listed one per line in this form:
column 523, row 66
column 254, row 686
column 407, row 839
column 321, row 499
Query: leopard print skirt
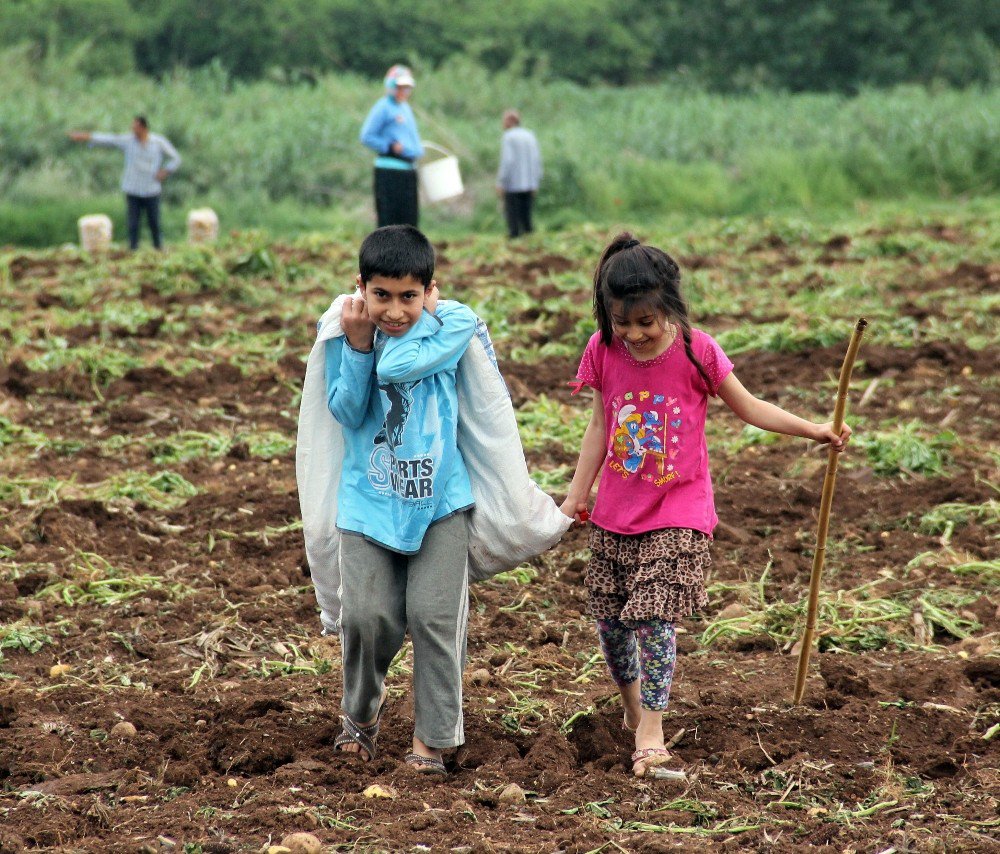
column 655, row 575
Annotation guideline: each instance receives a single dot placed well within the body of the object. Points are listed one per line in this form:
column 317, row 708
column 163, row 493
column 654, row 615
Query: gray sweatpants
column 382, row 594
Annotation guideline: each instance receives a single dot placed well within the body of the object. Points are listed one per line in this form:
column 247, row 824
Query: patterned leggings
column 652, row 657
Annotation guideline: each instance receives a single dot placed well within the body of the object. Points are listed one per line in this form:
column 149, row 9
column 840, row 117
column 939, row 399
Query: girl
column 654, row 513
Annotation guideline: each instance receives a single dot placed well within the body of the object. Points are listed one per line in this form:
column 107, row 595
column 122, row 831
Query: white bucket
column 440, row 179
column 202, row 225
column 95, row 232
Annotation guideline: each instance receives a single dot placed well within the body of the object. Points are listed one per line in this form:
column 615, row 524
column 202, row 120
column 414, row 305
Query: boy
column 404, row 492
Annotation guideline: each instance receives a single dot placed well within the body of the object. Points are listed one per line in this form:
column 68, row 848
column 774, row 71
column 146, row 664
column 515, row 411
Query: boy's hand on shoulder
column 357, row 325
column 826, row 435
column 431, row 297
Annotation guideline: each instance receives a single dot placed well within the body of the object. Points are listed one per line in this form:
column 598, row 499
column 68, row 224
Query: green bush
column 286, row 157
column 907, row 449
column 826, row 45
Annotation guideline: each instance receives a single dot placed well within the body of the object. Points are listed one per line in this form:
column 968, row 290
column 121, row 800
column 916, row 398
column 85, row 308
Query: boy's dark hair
column 635, row 275
column 395, row 252
column 142, row 120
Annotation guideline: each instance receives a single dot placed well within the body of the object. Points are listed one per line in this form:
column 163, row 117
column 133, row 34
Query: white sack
column 513, row 520
column 95, row 232
column 202, row 225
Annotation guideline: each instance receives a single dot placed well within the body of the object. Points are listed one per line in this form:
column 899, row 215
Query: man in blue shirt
column 149, row 160
column 403, row 494
column 390, row 130
column 519, row 174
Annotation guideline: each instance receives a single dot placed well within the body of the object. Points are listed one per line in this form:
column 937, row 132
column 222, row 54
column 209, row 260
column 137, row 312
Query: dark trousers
column 517, row 208
column 396, row 200
column 135, row 206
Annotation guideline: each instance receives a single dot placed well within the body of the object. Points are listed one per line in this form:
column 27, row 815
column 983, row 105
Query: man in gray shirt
column 149, row 159
column 519, row 174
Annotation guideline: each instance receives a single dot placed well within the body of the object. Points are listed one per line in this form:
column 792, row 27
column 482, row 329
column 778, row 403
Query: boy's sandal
column 366, row 737
column 653, row 759
column 425, row 764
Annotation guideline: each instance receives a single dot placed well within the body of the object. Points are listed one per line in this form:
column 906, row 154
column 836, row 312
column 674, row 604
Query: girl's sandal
column 425, row 764
column 653, row 759
column 366, row 737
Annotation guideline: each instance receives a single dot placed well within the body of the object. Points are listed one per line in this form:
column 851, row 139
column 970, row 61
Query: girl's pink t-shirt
column 655, row 474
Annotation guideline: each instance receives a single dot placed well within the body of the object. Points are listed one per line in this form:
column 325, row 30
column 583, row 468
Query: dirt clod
column 302, row 843
column 376, row 790
column 512, row 794
column 983, row 672
column 123, row 730
column 481, row 676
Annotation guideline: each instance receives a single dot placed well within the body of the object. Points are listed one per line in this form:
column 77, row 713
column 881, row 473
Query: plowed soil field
column 152, row 568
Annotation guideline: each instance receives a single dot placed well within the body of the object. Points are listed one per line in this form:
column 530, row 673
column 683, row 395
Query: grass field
column 152, row 569
column 286, row 158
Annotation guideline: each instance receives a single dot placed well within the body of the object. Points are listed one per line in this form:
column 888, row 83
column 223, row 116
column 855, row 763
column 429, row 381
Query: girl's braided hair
column 634, row 274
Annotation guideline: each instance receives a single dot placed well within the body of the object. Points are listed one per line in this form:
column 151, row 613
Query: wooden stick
column 826, row 503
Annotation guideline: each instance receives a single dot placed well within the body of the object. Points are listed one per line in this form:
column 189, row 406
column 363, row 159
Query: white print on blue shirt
column 412, row 480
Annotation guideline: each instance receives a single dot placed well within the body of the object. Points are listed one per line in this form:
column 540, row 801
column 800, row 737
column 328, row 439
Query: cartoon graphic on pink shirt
column 642, row 436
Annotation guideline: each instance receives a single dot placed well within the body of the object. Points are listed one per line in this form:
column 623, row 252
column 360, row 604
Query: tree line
column 722, row 45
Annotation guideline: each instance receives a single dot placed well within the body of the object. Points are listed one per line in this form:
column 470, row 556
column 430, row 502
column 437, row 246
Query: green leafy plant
column 23, row 636
column 852, row 620
column 944, row 518
column 162, row 490
column 545, row 422
column 92, row 580
column 907, row 449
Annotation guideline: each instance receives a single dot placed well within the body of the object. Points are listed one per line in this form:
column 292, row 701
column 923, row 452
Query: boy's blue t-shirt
column 398, row 407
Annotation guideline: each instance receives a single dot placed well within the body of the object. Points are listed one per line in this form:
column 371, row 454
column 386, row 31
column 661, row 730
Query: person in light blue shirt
column 149, row 160
column 403, row 493
column 390, row 130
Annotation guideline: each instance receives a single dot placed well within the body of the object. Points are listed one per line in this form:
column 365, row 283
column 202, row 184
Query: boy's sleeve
column 435, row 343
column 348, row 382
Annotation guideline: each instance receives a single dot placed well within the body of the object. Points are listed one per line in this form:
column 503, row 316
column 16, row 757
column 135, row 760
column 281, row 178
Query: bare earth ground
column 192, row 618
